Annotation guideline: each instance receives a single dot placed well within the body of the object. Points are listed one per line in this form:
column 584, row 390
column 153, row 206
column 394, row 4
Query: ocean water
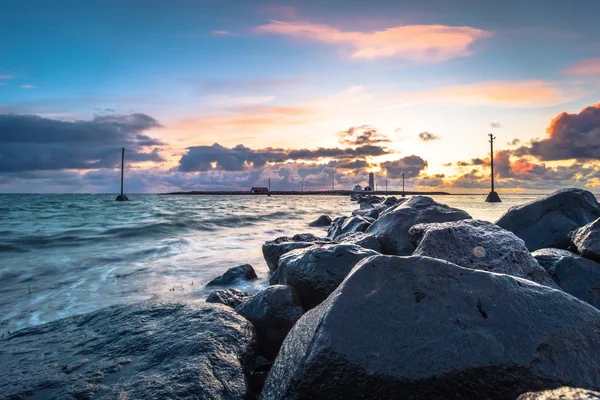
column 69, row 254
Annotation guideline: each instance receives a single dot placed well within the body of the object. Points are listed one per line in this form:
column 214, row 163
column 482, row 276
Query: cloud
column 220, row 32
column 32, row 143
column 420, row 43
column 428, row 136
column 28, row 86
column 240, row 157
column 411, row 166
column 361, row 135
column 589, row 66
column 6, row 77
column 495, row 124
column 570, row 136
column 514, row 142
column 518, row 94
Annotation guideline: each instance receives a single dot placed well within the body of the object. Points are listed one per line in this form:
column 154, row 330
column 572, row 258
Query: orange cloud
column 422, row 43
column 526, row 93
column 589, row 66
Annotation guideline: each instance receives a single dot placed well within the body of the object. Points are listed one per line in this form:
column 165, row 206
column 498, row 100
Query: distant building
column 357, row 188
column 368, row 189
column 259, row 189
column 371, row 180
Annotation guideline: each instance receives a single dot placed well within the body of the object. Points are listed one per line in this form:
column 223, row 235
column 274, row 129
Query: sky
column 225, row 95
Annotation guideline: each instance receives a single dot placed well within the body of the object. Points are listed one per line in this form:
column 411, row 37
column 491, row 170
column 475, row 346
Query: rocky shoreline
column 406, row 298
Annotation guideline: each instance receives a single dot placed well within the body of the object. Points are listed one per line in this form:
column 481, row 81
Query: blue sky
column 293, row 76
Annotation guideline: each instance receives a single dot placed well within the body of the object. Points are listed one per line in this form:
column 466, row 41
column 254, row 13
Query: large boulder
column 273, row 249
column 273, row 312
column 548, row 221
column 323, row 220
column 421, row 328
column 230, row 297
column 575, row 275
column 586, row 240
column 132, row 351
column 240, row 273
column 315, row 272
column 391, row 229
column 563, row 393
column 361, row 239
column 478, row 245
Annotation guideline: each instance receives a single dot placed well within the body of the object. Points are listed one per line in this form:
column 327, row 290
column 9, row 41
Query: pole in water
column 269, row 194
column 122, row 197
column 493, row 196
column 403, row 194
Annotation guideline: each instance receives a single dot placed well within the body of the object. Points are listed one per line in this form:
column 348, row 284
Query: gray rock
column 335, row 229
column 274, row 278
column 273, row 312
column 575, row 275
column 391, row 229
column 372, row 213
column 230, row 297
column 563, row 393
column 356, row 223
column 392, row 201
column 361, row 239
column 478, row 245
column 323, row 220
column 273, row 249
column 586, row 240
column 315, row 272
column 421, row 328
column 548, row 221
column 243, row 272
column 132, row 351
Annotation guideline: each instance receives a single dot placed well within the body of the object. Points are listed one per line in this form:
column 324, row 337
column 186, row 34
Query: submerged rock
column 230, row 297
column 243, row 272
column 421, row 328
column 323, row 220
column 391, row 229
column 132, row 351
column 586, row 240
column 478, row 245
column 315, row 272
column 361, row 239
column 273, row 249
column 563, row 393
column 273, row 312
column 575, row 275
column 548, row 221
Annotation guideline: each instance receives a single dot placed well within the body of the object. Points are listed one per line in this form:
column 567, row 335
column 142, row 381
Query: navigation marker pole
column 122, row 197
column 403, row 194
column 493, row 196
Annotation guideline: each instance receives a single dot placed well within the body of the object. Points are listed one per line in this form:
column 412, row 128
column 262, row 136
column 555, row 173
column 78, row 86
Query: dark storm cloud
column 571, row 136
column 31, row 143
column 411, row 166
column 428, row 136
column 362, row 135
column 240, row 157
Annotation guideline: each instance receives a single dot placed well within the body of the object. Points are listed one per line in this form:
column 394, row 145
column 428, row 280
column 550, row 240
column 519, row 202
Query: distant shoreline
column 308, row 193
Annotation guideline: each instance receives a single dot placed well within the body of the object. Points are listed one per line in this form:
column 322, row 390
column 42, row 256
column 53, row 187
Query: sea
column 69, row 254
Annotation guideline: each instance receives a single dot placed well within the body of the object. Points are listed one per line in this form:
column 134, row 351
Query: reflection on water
column 67, row 254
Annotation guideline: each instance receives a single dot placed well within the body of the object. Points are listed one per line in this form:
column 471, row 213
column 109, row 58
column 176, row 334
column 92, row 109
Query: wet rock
column 361, row 239
column 421, row 328
column 336, row 227
column 230, row 297
column 132, row 351
column 548, row 221
column 563, row 393
column 371, row 213
column 315, row 272
column 575, row 275
column 243, row 272
column 323, row 220
column 273, row 312
column 391, row 201
column 586, row 240
column 273, row 249
column 391, row 229
column 478, row 245
column 274, row 278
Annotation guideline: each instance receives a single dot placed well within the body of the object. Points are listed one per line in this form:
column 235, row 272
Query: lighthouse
column 372, row 180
